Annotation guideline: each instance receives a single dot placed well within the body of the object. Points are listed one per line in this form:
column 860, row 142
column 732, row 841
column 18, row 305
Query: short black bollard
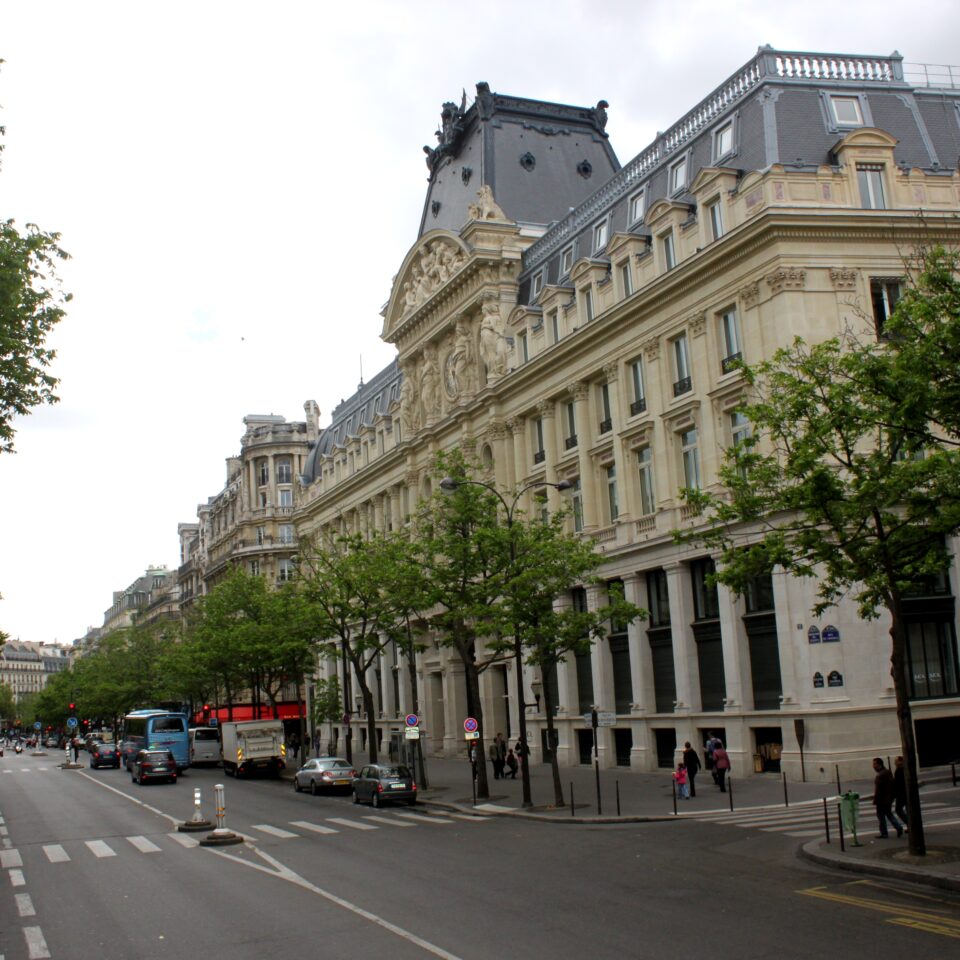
column 839, row 790
column 674, row 782
column 786, row 799
column 618, row 798
column 730, row 791
column 826, row 819
column 573, row 803
column 843, row 846
column 953, row 771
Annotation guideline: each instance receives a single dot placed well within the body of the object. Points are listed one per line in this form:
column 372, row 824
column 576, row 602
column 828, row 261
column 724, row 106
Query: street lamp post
column 449, row 484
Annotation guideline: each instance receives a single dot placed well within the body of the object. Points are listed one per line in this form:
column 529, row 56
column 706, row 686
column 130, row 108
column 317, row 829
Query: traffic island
column 221, row 837
column 197, row 822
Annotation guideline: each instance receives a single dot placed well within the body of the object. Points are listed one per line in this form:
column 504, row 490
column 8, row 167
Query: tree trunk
column 367, row 694
column 908, row 742
column 548, row 669
column 415, row 708
column 472, row 677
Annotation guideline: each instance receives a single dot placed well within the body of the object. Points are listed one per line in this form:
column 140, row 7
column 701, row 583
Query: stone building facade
column 25, row 666
column 565, row 318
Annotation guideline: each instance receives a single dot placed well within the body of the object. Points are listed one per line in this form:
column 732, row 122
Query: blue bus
column 155, row 729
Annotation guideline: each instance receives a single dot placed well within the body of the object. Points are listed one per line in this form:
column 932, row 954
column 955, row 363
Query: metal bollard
column 786, row 799
column 618, row 798
column 573, row 803
column 953, row 773
column 674, row 782
column 826, row 819
column 221, row 836
column 843, row 846
column 730, row 791
column 839, row 791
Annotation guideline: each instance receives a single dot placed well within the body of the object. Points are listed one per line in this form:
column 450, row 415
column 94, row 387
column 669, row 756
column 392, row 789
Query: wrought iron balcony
column 684, row 385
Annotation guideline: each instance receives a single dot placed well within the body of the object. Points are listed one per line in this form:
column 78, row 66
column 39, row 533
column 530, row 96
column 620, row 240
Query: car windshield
column 160, row 755
column 335, row 765
column 398, row 771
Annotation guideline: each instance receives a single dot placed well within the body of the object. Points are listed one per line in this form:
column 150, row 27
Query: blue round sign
column 470, row 725
column 411, row 720
column 37, row 725
column 71, row 721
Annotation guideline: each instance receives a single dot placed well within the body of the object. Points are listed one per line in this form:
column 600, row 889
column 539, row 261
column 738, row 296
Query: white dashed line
column 184, row 839
column 143, row 844
column 99, row 849
column 10, row 858
column 25, row 905
column 17, row 878
column 389, row 822
column 36, row 945
column 314, row 827
column 353, row 824
column 274, row 831
column 56, row 854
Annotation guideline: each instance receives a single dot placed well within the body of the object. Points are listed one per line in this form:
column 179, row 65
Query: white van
column 204, row 746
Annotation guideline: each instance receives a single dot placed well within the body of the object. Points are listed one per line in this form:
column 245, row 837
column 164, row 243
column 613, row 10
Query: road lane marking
column 143, row 844
column 353, row 824
column 56, row 854
column 469, row 817
column 3, row 832
column 389, row 822
column 925, row 926
column 909, row 916
column 273, row 831
column 282, row 872
column 315, row 827
column 10, row 858
column 25, row 905
column 36, row 945
column 422, row 818
column 184, row 839
column 100, row 849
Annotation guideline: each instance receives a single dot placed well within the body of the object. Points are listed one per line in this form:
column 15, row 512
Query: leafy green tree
column 345, row 580
column 7, row 705
column 848, row 479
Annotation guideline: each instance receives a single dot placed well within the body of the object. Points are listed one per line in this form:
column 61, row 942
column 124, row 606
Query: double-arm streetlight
column 449, row 484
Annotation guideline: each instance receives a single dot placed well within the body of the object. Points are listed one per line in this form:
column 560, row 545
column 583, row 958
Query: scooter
column 18, row 748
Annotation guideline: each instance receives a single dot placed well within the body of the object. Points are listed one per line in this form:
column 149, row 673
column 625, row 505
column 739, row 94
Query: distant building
column 25, row 667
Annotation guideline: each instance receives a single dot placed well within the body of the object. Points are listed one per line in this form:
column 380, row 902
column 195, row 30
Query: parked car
column 380, row 783
column 51, row 743
column 103, row 755
column 324, row 773
column 154, row 765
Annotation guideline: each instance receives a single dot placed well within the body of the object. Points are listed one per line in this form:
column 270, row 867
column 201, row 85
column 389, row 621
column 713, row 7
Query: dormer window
column 638, row 206
column 678, row 176
column 599, row 236
column 566, row 261
column 537, row 285
column 669, row 253
column 723, row 141
column 870, row 181
column 846, row 111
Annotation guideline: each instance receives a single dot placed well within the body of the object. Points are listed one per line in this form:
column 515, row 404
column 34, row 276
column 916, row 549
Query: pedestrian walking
column 883, row 796
column 721, row 764
column 708, row 747
column 522, row 751
column 494, row 752
column 900, row 790
column 680, row 779
column 512, row 765
column 692, row 762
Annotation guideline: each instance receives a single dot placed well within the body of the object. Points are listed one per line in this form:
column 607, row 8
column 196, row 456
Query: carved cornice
column 610, row 372
column 651, row 348
column 497, row 430
column 579, row 390
column 787, row 278
column 697, row 324
column 516, row 425
column 546, row 409
column 749, row 295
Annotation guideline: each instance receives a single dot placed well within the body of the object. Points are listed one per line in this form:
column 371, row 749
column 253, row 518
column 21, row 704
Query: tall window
column 539, row 454
column 284, row 471
column 691, row 459
column 715, row 212
column 681, row 363
column 254, row 568
column 723, row 141
column 286, row 533
column 586, row 297
column 639, row 402
column 285, row 497
column 606, row 424
column 537, row 285
column 706, row 604
column 260, row 534
column 576, row 502
column 263, row 473
column 571, row 413
column 566, row 261
column 626, row 278
column 585, row 699
column 522, row 348
column 285, row 570
column 658, row 598
column 612, row 502
column 730, row 334
column 669, row 254
column 637, row 207
column 885, row 292
column 648, row 503
column 870, row 179
column 555, row 325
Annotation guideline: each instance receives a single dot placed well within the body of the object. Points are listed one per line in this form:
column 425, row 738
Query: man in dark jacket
column 692, row 762
column 883, row 797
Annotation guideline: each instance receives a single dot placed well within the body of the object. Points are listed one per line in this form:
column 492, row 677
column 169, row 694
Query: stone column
column 502, row 455
column 684, row 646
column 580, row 392
column 602, row 669
column 546, row 410
column 521, row 456
column 736, row 653
column 611, row 372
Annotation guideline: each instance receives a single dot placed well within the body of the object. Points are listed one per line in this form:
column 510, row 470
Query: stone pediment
column 427, row 268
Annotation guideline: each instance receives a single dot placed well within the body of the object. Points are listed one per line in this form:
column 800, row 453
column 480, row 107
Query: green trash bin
column 849, row 809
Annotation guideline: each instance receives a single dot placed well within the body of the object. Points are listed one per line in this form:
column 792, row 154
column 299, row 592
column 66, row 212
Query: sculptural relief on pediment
column 433, row 265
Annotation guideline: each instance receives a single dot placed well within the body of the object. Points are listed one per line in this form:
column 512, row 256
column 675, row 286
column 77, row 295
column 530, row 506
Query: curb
column 812, row 852
column 547, row 818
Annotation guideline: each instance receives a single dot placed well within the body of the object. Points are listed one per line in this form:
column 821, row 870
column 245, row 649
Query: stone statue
column 486, row 208
column 430, row 383
column 460, row 362
column 435, row 266
column 493, row 344
column 600, row 115
column 408, row 407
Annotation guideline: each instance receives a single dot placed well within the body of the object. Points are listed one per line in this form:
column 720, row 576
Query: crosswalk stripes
column 100, row 849
column 805, row 821
column 312, row 827
column 184, row 839
column 143, row 844
column 273, row 831
column 388, row 822
column 421, row 818
column 353, row 824
column 55, row 853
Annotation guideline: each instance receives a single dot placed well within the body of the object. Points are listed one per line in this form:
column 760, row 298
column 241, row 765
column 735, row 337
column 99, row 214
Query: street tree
column 344, row 582
column 845, row 480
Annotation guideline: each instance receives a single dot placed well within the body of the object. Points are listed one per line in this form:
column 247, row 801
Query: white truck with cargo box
column 253, row 745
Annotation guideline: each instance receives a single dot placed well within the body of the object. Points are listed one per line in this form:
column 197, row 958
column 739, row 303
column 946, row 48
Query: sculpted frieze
column 436, row 264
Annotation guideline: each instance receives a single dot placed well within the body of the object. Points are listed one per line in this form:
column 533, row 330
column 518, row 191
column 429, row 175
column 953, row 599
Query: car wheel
column 296, row 785
column 313, row 787
column 376, row 799
column 356, row 799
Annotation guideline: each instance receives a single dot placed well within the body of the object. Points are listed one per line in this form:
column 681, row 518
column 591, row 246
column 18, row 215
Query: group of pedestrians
column 506, row 760
column 889, row 789
column 717, row 763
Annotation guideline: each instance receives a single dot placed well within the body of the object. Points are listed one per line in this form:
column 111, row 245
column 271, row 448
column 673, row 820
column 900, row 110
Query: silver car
column 324, row 773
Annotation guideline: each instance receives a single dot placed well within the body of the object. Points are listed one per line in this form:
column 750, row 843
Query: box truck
column 249, row 745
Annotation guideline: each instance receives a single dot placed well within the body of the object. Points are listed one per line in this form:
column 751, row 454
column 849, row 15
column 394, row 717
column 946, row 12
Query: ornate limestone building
column 566, row 318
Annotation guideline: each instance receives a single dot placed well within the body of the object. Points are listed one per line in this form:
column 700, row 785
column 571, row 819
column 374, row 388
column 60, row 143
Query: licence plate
column 397, row 786
column 341, row 783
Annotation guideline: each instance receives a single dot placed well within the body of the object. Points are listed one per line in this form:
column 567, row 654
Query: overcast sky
column 237, row 183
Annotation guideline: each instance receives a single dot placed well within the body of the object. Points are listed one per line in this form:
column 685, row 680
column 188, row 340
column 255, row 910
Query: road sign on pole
column 470, row 725
column 71, row 722
column 411, row 720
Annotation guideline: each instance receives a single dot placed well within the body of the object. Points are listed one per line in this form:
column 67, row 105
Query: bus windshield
column 155, row 730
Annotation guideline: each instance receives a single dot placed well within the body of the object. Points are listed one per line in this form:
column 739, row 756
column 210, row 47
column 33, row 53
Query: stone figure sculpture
column 430, row 383
column 493, row 344
column 486, row 207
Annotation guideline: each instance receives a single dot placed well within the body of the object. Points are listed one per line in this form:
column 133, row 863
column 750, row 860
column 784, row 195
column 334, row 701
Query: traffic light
column 72, row 706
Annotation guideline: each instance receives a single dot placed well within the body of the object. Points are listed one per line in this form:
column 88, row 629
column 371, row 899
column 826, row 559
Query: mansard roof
column 538, row 158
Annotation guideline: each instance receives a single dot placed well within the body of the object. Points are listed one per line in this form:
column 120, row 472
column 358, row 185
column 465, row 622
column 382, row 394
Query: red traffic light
column 71, row 705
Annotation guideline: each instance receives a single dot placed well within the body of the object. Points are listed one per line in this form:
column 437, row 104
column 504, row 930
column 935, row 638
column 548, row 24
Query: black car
column 380, row 783
column 104, row 755
column 154, row 765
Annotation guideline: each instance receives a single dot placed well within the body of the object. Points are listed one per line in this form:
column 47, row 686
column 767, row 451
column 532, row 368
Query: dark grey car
column 380, row 783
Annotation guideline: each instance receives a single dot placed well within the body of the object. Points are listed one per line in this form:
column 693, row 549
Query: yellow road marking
column 906, row 916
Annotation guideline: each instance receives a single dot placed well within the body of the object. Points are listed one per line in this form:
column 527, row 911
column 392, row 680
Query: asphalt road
column 94, row 868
